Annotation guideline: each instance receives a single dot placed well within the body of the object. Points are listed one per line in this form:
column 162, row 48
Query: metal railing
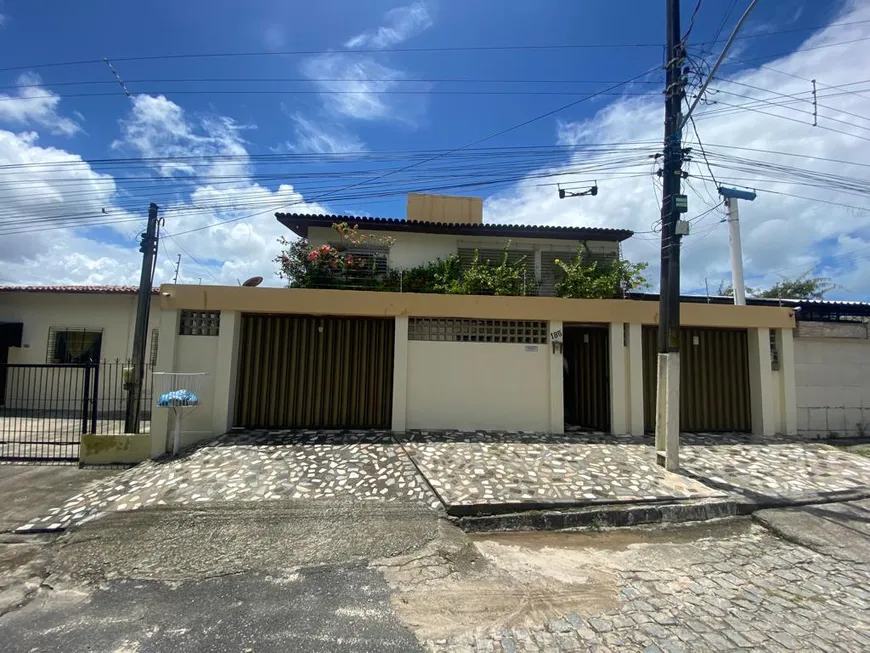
column 46, row 408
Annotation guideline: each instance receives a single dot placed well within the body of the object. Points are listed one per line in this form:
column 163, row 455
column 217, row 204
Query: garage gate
column 714, row 379
column 299, row 371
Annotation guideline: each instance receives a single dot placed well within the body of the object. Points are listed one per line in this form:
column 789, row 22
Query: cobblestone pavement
column 253, row 466
column 743, row 590
column 778, row 468
column 492, row 468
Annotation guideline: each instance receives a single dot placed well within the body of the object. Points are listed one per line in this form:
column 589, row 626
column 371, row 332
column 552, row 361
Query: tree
column 802, row 287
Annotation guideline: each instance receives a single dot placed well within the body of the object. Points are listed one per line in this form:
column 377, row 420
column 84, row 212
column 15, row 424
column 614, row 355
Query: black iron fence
column 45, row 408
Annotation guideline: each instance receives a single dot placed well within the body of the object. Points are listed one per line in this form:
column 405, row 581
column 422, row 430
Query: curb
column 600, row 516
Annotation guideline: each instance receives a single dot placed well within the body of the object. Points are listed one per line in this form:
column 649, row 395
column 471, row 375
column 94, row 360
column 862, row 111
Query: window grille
column 73, row 346
column 527, row 332
column 155, row 336
column 200, row 323
column 774, row 351
column 375, row 256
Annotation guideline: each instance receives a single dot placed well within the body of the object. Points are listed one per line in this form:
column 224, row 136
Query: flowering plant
column 332, row 266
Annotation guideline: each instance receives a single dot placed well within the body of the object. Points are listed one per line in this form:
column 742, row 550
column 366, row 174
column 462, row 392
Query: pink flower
column 350, row 259
column 325, row 249
column 312, row 255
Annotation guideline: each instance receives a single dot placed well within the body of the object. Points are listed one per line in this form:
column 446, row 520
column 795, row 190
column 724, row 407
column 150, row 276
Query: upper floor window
column 74, row 346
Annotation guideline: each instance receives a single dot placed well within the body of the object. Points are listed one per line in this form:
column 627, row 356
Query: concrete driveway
column 30, row 491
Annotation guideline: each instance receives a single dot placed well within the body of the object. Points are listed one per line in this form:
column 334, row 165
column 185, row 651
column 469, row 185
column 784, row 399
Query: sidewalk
column 480, row 474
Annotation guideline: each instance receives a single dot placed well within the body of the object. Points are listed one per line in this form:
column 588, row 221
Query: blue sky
column 164, row 118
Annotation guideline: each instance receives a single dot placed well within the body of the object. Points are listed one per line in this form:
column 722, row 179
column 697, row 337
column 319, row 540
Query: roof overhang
column 300, row 224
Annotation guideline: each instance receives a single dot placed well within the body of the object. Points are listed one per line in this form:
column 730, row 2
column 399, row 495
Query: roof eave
column 299, row 225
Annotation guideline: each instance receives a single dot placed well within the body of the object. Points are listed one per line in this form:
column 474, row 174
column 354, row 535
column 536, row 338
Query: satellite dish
column 253, row 282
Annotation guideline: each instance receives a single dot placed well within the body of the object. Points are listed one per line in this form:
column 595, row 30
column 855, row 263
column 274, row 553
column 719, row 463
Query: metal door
column 714, row 379
column 587, row 377
column 315, row 372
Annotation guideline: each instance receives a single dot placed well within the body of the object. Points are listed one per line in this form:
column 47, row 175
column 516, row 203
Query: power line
column 448, row 152
column 318, row 80
column 151, row 92
column 800, row 122
column 191, row 256
column 351, row 51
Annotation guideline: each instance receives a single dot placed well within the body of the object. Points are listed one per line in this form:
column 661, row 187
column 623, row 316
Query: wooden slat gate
column 587, row 377
column 315, row 372
column 714, row 379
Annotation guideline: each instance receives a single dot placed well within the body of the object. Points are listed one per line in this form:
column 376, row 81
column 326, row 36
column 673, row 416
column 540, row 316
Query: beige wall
column 832, row 376
column 471, row 385
column 196, row 354
column 444, row 208
column 352, row 302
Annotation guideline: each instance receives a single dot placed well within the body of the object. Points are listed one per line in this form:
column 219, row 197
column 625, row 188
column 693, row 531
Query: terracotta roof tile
column 109, row 290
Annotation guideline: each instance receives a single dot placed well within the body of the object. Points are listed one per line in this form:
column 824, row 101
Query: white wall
column 471, row 385
column 832, row 376
column 413, row 249
column 114, row 314
column 197, row 354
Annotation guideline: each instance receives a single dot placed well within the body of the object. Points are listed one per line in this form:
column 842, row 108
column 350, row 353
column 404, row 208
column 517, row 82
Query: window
column 375, row 257
column 73, row 346
column 457, row 330
column 200, row 323
column 155, row 337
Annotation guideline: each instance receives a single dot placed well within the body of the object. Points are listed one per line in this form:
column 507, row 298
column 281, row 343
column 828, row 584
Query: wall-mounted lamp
column 557, row 346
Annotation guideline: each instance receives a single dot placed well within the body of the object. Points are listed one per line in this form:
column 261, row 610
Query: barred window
column 73, row 346
column 200, row 323
column 774, row 351
column 155, row 337
column 375, row 256
column 527, row 332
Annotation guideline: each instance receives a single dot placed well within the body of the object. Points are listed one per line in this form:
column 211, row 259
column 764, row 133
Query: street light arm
column 718, row 61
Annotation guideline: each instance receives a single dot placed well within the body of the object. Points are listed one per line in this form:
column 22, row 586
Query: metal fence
column 45, row 408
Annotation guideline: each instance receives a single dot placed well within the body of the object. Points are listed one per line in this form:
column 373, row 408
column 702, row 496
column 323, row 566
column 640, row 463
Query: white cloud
column 225, row 248
column 158, row 128
column 322, row 137
column 360, row 87
column 35, row 106
column 400, row 24
column 781, row 235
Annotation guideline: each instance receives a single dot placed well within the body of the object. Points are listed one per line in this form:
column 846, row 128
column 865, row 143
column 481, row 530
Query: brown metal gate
column 315, row 372
column 714, row 379
column 587, row 377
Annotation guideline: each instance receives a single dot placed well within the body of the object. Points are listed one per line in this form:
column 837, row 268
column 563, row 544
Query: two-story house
column 439, row 226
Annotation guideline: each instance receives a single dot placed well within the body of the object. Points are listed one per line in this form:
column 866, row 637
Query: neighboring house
column 337, row 358
column 439, row 226
column 67, row 325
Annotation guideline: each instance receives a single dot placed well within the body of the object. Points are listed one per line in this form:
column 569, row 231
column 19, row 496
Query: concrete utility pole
column 133, row 381
column 731, row 195
column 668, row 381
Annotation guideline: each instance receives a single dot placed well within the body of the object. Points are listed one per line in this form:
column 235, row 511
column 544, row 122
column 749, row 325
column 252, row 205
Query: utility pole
column 731, row 195
column 177, row 268
column 133, row 380
column 668, row 379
